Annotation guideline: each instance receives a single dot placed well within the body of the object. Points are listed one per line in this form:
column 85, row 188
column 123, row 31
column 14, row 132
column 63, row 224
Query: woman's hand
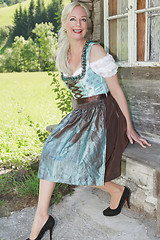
column 133, row 136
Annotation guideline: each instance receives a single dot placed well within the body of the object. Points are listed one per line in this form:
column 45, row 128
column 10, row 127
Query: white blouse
column 105, row 67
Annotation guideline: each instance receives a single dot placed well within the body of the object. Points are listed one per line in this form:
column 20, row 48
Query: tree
column 4, row 33
column 24, row 21
column 31, row 16
column 38, row 12
column 54, row 13
column 23, row 56
column 47, row 42
column 18, row 25
column 44, row 13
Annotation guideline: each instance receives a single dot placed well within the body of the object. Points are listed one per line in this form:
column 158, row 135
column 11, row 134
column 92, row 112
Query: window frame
column 132, row 33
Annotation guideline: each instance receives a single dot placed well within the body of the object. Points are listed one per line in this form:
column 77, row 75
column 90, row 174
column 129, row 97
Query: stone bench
column 141, row 172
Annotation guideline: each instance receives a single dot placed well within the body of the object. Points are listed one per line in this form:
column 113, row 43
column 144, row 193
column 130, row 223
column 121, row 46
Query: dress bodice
column 87, row 83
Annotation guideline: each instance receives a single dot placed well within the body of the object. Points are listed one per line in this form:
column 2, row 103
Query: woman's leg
column 46, row 189
column 115, row 190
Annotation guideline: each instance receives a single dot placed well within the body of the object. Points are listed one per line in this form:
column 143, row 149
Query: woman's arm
column 118, row 95
column 98, row 52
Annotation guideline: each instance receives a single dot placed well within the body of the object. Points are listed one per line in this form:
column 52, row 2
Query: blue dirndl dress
column 87, row 145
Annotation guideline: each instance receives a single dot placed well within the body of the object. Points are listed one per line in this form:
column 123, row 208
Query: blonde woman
column 86, row 147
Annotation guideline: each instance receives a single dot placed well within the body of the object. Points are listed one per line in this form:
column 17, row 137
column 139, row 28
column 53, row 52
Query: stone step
column 141, row 172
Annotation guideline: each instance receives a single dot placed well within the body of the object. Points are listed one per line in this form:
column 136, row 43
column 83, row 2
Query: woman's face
column 76, row 23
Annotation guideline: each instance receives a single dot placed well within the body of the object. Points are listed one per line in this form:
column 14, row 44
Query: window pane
column 154, row 53
column 118, row 39
column 154, row 3
column 113, row 37
column 122, row 6
column 118, row 7
column 122, row 39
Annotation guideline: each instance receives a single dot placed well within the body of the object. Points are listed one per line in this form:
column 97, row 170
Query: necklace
column 83, row 63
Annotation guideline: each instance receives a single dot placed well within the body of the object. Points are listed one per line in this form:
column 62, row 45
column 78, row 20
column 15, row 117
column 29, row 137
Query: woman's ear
column 64, row 26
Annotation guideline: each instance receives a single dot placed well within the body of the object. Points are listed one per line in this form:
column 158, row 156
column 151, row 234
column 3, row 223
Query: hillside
column 6, row 13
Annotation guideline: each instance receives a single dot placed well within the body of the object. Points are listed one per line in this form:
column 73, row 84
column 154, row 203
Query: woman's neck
column 77, row 46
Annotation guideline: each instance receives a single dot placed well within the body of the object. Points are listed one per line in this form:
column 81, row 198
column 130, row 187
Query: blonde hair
column 62, row 63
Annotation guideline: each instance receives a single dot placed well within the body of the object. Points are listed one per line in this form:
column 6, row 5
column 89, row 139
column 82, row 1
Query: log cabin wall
column 141, row 85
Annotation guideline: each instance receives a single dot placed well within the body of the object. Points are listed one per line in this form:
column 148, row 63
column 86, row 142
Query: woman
column 87, row 145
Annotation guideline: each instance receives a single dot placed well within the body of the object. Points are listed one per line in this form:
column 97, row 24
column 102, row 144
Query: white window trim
column 132, row 33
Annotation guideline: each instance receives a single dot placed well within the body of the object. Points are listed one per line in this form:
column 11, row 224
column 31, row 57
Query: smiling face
column 76, row 23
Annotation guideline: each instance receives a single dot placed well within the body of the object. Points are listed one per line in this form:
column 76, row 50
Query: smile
column 77, row 31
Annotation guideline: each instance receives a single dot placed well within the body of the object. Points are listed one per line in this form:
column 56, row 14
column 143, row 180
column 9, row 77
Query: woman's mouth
column 77, row 30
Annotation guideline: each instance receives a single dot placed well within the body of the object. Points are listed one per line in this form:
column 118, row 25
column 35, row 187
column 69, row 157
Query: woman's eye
column 84, row 19
column 72, row 19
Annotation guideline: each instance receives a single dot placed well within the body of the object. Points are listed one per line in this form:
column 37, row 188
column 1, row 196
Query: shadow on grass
column 19, row 189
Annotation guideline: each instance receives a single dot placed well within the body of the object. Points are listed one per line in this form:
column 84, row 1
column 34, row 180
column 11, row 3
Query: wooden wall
column 141, row 86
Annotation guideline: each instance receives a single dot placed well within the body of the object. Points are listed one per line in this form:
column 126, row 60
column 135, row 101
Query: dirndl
column 87, row 145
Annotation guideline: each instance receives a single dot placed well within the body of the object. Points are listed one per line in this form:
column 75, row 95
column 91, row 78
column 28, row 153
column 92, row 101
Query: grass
column 19, row 189
column 27, row 106
column 6, row 13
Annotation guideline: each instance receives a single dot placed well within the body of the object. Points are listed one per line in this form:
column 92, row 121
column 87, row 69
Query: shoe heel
column 50, row 231
column 128, row 202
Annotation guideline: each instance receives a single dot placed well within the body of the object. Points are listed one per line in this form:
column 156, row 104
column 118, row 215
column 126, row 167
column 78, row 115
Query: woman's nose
column 78, row 22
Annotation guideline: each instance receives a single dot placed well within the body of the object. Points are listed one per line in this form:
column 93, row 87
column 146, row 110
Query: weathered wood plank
column 134, row 73
column 144, row 103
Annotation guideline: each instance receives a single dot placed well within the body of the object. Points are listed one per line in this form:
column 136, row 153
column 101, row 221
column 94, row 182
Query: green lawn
column 30, row 92
column 26, row 105
column 6, row 13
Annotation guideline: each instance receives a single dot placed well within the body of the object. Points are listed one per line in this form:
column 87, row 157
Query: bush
column 4, row 34
column 30, row 56
column 23, row 56
column 63, row 96
column 46, row 41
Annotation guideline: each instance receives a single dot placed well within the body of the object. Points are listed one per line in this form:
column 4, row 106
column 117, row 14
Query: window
column 132, row 31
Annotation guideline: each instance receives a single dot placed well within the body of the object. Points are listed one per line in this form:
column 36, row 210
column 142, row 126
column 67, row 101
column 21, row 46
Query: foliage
column 4, row 33
column 54, row 10
column 23, row 56
column 25, row 20
column 63, row 96
column 27, row 106
column 24, row 184
column 28, row 185
column 10, row 157
column 29, row 55
column 46, row 41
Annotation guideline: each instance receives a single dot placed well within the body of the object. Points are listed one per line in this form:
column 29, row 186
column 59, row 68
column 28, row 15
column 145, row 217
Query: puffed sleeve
column 105, row 66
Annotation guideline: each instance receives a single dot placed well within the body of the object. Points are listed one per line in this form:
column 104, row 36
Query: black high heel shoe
column 125, row 196
column 47, row 226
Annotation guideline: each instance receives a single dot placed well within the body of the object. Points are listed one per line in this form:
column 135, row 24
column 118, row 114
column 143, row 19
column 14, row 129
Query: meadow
column 6, row 13
column 27, row 106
